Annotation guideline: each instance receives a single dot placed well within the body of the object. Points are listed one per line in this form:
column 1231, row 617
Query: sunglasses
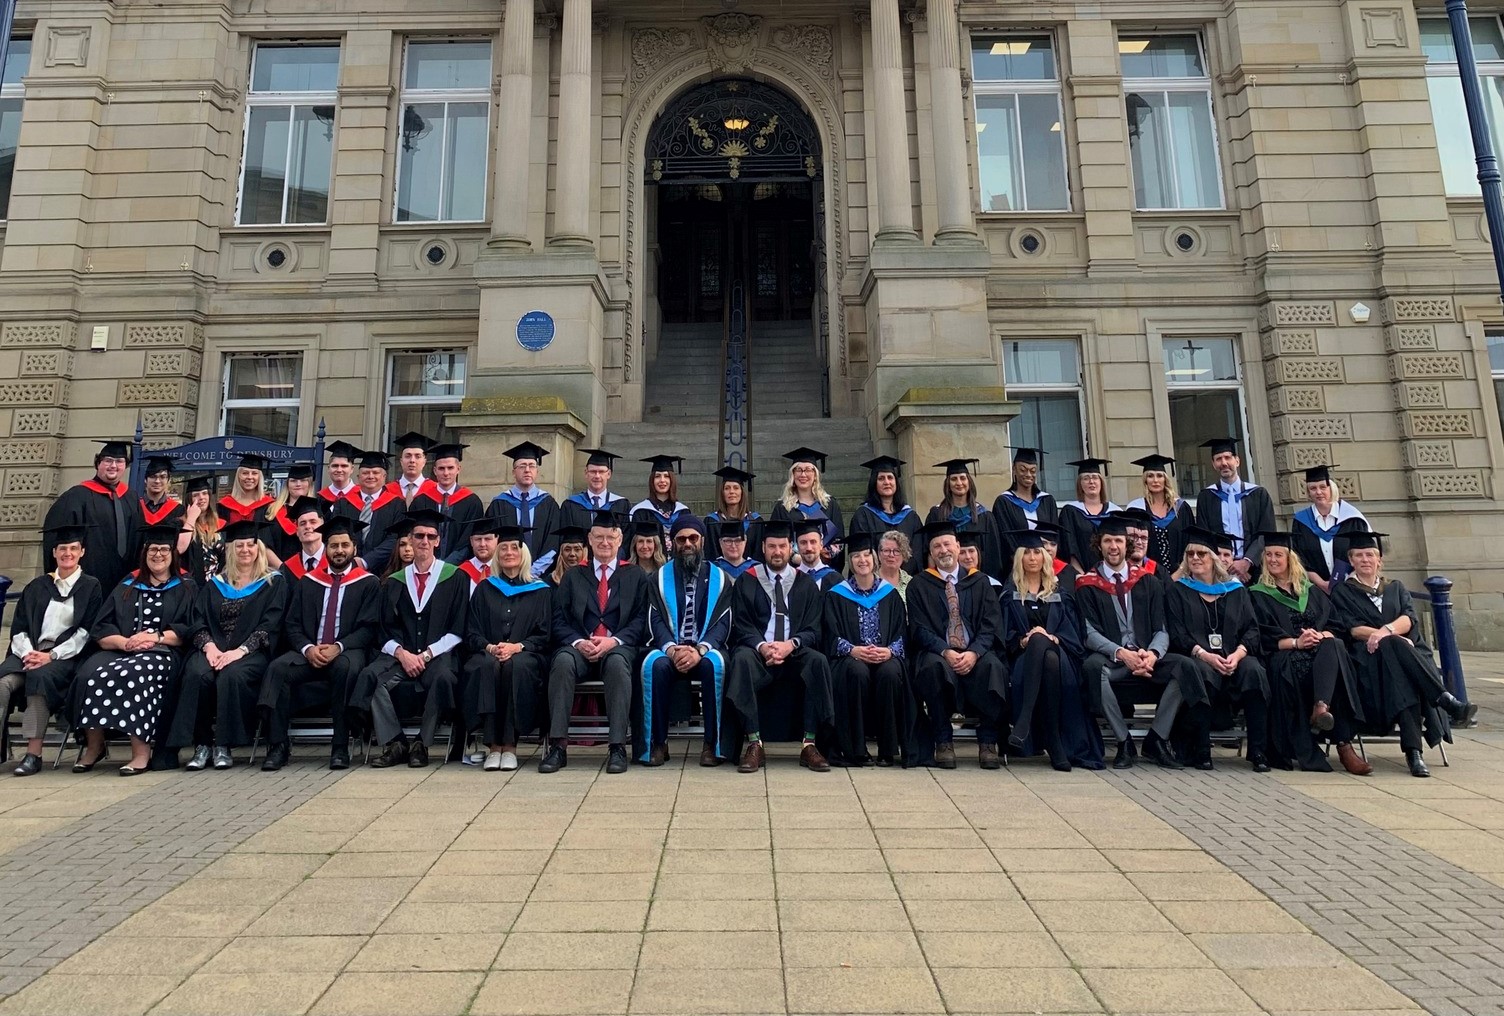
column 425, row 536
column 1198, row 553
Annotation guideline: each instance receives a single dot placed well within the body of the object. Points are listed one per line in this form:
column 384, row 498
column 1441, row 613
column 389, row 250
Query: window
column 289, row 135
column 262, row 392
column 1206, row 401
column 12, row 97
column 1020, row 142
column 421, row 388
column 1496, row 368
column 1044, row 376
column 445, row 132
column 1454, row 139
column 1171, row 134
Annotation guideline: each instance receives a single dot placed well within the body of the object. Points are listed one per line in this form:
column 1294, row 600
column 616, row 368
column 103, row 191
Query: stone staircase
column 682, row 417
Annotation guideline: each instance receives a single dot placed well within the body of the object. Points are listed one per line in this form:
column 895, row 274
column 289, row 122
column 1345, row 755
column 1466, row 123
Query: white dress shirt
column 57, row 619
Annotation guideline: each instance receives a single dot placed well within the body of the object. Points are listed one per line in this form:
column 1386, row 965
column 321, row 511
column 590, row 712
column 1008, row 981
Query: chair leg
column 1443, row 746
column 63, row 746
column 1362, row 751
column 256, row 740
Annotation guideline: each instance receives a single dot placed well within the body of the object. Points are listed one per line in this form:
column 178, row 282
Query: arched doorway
column 733, row 176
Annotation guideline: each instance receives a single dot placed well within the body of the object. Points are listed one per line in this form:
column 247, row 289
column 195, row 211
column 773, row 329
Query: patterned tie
column 687, row 628
column 602, row 597
column 326, row 634
column 596, row 501
column 955, row 632
column 365, row 512
column 780, row 611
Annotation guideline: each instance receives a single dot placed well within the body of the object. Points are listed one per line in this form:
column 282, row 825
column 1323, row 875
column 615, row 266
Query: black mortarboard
column 1114, row 524
column 605, row 520
column 412, row 439
column 861, row 541
column 247, row 530
column 342, row 450
column 250, row 460
column 1049, row 531
column 569, row 534
column 1319, row 474
column 810, row 455
column 1156, row 463
column 502, row 530
column 1089, row 466
column 1200, row 536
column 968, row 537
column 1028, row 456
column 665, row 463
column 728, row 529
column 448, row 450
column 1366, row 539
column 300, row 471
column 1139, row 517
column 647, row 526
column 375, row 460
column 954, row 466
column 1028, row 539
column 526, row 450
column 777, row 529
column 337, row 524
column 1218, row 445
column 741, row 476
column 1226, row 542
column 885, row 464
column 166, row 532
column 600, row 457
column 302, row 506
column 157, row 464
column 73, row 532
column 198, row 483
column 940, row 527
column 1277, row 539
column 427, row 517
column 114, row 449
column 803, row 525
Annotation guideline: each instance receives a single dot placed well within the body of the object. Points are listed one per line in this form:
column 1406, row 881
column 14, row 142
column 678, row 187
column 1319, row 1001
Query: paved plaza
column 681, row 890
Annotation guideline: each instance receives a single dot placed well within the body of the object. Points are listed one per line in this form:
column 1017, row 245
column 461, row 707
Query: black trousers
column 217, row 707
column 983, row 690
column 1039, row 691
column 749, row 674
column 1246, row 687
column 291, row 677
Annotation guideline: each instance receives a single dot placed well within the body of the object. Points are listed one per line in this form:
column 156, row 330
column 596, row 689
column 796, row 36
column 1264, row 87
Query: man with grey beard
column 689, row 621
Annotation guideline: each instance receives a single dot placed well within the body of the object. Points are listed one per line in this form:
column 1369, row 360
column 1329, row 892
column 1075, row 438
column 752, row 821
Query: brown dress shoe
column 945, row 755
column 987, row 756
column 708, row 757
column 752, row 758
column 811, row 759
column 658, row 755
column 1321, row 717
column 1352, row 761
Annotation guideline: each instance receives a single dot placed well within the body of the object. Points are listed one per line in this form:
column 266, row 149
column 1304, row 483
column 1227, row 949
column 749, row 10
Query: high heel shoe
column 87, row 767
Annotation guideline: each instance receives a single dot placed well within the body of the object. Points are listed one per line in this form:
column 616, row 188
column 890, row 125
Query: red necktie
column 1120, row 593
column 421, row 580
column 602, row 595
column 326, row 635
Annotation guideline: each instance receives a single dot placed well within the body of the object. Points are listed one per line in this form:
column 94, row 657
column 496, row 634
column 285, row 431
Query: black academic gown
column 985, row 689
column 807, row 667
column 1402, row 677
column 170, row 512
column 996, row 554
column 501, row 700
column 541, row 515
column 1298, row 678
column 835, row 521
column 280, row 534
column 1077, row 529
column 870, row 518
column 374, row 544
column 752, row 525
column 52, row 680
column 1146, row 596
column 1167, row 534
column 1009, row 509
column 1307, row 542
column 1258, row 517
column 111, row 539
column 1066, row 708
column 864, row 690
column 1190, row 619
column 461, row 507
column 415, row 630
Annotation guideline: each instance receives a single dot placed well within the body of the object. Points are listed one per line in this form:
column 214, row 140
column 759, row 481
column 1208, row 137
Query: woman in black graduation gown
column 805, row 496
column 279, row 531
column 1079, row 518
column 1042, row 645
column 1313, row 688
column 507, row 634
column 1023, row 504
column 734, row 503
column 1170, row 515
column 141, row 634
column 959, row 506
column 1212, row 621
column 864, row 632
column 1397, row 678
column 237, row 621
column 201, row 546
column 884, row 509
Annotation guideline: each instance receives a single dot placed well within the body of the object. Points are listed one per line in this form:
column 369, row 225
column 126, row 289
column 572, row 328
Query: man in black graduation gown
column 459, row 505
column 107, row 509
column 600, row 622
column 423, row 610
column 307, row 517
column 579, row 508
column 776, row 613
column 529, row 507
column 809, row 536
column 956, row 627
column 689, row 625
column 332, row 622
column 1236, row 507
column 158, row 506
column 48, row 635
column 342, row 458
column 379, row 505
column 412, row 459
column 1127, row 641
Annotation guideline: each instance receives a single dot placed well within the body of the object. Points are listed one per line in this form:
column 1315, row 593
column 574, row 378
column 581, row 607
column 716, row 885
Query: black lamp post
column 1483, row 145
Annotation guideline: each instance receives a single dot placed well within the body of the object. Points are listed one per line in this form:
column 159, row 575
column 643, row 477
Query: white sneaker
column 508, row 761
column 493, row 761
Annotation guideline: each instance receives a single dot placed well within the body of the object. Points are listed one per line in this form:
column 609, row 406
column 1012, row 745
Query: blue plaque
column 535, row 330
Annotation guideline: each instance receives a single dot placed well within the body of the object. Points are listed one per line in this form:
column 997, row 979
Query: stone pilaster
column 572, row 171
column 513, row 155
column 948, row 122
column 358, row 192
column 895, row 199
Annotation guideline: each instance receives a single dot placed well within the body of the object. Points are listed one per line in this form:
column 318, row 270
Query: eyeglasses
column 426, row 537
column 1198, row 553
column 891, row 550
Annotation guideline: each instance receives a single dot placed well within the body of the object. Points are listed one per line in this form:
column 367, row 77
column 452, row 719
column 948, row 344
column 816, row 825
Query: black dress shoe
column 1016, row 742
column 555, row 759
column 884, row 762
column 1461, row 712
column 1125, row 754
column 163, row 759
column 393, row 755
column 1417, row 764
column 1059, row 760
column 1258, row 762
column 277, row 756
column 1158, row 751
column 417, row 755
column 616, row 759
column 339, row 757
column 30, row 765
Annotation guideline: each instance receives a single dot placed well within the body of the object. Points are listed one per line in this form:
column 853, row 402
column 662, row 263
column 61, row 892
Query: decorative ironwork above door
column 733, row 130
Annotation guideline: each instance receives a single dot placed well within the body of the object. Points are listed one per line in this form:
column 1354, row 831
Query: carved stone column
column 948, row 120
column 572, row 174
column 895, row 205
column 514, row 130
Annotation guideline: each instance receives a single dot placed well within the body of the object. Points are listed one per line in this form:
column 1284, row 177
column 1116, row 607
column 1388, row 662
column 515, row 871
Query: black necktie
column 780, row 611
column 121, row 537
column 309, row 566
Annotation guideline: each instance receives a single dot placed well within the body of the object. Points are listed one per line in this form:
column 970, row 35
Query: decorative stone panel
column 37, row 363
column 1419, row 395
column 1449, row 483
column 156, row 393
column 31, row 483
column 173, row 333
column 67, row 46
column 653, row 47
column 1424, row 454
column 1453, row 424
column 20, row 514
column 1290, row 399
column 1411, row 308
column 1423, row 365
column 34, row 393
column 1286, row 314
column 1409, row 338
column 18, row 334
column 1290, row 341
column 51, row 422
column 1293, row 458
column 176, row 363
column 1303, row 370
column 1312, row 428
column 809, row 43
column 176, row 420
column 28, row 453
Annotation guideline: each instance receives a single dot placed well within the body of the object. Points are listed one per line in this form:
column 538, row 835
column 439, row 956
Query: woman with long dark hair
column 884, row 508
column 959, row 506
column 733, row 503
column 1079, row 518
column 662, row 501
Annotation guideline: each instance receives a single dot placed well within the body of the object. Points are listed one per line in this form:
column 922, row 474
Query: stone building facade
column 1239, row 217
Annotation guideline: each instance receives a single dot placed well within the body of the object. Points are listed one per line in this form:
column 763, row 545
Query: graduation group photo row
column 392, row 607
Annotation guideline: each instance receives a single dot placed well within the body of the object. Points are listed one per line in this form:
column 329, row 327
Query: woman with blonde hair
column 1042, row 643
column 647, row 545
column 280, row 533
column 805, row 496
column 247, row 494
column 1322, row 527
column 1170, row 514
column 237, row 620
column 864, row 629
column 200, row 544
column 1312, row 683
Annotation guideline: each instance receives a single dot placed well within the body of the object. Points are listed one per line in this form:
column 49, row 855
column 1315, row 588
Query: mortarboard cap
column 375, row 460
column 605, row 520
column 448, row 450
column 861, row 541
column 412, row 439
column 164, row 533
column 114, row 449
column 196, row 484
column 1137, row 517
column 337, row 524
column 777, row 529
column 954, row 466
column 1200, row 536
column 804, row 525
column 810, row 455
column 1226, row 542
column 1048, row 531
column 1319, row 474
column 157, row 464
column 1115, row 524
column 885, row 464
column 1029, row 539
column 728, row 529
column 300, row 471
column 569, row 534
column 665, row 463
column 1366, row 539
column 940, row 527
column 968, row 537
column 1218, row 445
column 1156, row 463
column 302, row 506
column 503, row 531
column 600, row 457
column 426, row 517
column 250, row 460
column 1028, row 456
column 526, row 450
column 1089, row 466
column 247, row 530
column 342, row 450
column 1275, row 538
column 740, row 476
column 73, row 532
